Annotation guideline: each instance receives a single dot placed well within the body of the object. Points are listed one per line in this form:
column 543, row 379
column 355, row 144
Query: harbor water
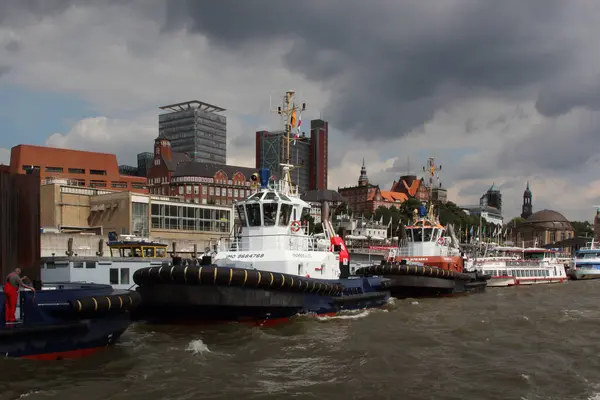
column 539, row 342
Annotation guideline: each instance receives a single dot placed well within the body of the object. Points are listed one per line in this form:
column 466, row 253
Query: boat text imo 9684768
column 270, row 269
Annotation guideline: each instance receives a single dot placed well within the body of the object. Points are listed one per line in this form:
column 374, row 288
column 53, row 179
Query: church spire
column 364, row 179
column 527, row 208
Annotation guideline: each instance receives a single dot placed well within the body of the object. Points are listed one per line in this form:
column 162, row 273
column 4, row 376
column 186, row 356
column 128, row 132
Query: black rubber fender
column 101, row 304
column 411, row 269
column 229, row 276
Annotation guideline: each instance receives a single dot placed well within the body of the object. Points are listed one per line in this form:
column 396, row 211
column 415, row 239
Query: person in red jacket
column 11, row 292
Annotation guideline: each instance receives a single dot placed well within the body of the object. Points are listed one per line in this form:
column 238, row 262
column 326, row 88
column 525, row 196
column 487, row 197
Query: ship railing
column 274, row 242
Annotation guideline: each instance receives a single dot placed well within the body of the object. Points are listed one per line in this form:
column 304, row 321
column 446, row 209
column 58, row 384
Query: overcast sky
column 497, row 91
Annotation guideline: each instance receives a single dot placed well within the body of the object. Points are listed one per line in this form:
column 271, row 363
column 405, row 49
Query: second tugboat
column 429, row 263
column 272, row 269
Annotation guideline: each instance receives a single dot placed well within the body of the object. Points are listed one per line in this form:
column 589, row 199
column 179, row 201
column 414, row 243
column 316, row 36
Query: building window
column 218, row 191
column 196, row 190
column 124, row 276
column 188, row 190
column 229, row 192
column 180, row 189
column 235, row 193
column 94, row 183
column 204, row 190
column 54, row 169
column 97, row 172
column 114, row 276
column 76, row 171
column 139, row 219
column 190, row 218
column 211, row 191
column 118, row 184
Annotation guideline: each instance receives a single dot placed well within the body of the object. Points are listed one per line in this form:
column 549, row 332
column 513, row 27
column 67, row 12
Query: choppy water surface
column 516, row 343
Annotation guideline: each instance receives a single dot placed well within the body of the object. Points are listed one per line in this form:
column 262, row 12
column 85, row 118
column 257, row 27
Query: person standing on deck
column 11, row 292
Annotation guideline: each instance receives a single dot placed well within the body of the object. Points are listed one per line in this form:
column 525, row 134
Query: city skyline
column 517, row 109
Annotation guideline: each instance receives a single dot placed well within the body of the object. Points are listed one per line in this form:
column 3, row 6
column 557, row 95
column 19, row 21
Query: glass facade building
column 196, row 129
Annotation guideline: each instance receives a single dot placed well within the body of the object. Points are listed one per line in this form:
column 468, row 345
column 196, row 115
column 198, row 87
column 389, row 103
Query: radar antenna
column 289, row 113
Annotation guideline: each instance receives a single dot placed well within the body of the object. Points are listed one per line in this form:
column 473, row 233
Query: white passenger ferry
column 513, row 266
column 587, row 262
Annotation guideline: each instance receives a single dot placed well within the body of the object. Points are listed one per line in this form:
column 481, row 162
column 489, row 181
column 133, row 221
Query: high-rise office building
column 319, row 142
column 271, row 153
column 196, row 129
column 308, row 154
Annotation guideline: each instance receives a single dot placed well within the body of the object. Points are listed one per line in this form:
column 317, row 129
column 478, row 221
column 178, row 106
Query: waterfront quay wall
column 58, row 244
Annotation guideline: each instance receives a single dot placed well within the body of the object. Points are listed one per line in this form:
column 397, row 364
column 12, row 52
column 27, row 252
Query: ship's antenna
column 289, row 113
column 431, row 170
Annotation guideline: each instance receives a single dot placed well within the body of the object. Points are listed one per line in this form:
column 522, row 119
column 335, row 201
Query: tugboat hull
column 422, row 286
column 214, row 294
column 60, row 341
column 409, row 281
column 66, row 321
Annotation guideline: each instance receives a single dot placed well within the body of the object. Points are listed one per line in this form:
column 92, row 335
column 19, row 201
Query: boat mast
column 289, row 112
column 431, row 169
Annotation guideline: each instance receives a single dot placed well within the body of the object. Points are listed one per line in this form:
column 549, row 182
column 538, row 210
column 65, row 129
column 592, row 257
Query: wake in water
column 197, row 347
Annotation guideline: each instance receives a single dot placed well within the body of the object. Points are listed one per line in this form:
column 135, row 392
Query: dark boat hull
column 406, row 286
column 62, row 340
column 69, row 321
column 410, row 280
column 208, row 299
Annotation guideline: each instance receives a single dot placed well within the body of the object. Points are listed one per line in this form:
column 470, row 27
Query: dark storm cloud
column 4, row 69
column 564, row 144
column 16, row 11
column 392, row 65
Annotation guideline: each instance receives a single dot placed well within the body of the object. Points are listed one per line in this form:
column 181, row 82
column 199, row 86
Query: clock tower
column 527, row 207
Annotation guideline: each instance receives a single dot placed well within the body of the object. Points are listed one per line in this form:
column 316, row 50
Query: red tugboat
column 429, row 261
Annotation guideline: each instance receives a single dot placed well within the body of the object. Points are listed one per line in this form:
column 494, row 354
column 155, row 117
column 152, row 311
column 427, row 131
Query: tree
column 582, row 228
column 515, row 221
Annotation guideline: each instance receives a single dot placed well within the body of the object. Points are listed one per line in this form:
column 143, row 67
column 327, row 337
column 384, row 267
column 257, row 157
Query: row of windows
column 190, row 218
column 212, row 191
column 523, row 273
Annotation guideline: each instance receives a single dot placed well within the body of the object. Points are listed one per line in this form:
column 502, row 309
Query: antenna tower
column 433, row 172
column 289, row 113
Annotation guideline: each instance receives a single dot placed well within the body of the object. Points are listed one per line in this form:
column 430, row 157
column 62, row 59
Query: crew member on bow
column 11, row 292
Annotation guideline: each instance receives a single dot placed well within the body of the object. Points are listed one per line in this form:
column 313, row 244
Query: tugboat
column 272, row 269
column 68, row 320
column 48, row 321
column 429, row 263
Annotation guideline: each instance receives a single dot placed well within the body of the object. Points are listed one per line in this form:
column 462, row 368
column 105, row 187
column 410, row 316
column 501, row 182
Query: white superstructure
column 273, row 237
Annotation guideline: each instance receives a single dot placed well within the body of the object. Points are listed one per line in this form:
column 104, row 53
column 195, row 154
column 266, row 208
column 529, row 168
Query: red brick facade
column 173, row 174
column 80, row 168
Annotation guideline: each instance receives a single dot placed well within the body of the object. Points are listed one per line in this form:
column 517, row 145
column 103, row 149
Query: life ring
column 440, row 241
column 295, row 227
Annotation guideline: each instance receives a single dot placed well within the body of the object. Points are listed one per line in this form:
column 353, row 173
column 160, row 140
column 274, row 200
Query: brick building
column 175, row 174
column 366, row 197
column 79, row 168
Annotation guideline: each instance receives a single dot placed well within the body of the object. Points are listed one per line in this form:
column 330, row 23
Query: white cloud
column 125, row 66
